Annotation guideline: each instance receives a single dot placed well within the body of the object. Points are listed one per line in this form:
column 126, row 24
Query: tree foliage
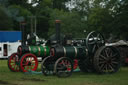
column 19, row 14
column 106, row 16
column 71, row 23
column 5, row 20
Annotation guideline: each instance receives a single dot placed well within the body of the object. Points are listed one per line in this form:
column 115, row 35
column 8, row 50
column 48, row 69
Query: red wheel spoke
column 31, row 59
column 68, row 69
column 26, row 63
column 63, row 63
column 65, row 68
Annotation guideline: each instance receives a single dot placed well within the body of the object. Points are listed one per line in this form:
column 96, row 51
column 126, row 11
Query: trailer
column 9, row 41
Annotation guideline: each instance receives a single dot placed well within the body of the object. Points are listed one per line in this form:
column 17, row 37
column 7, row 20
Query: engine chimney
column 57, row 23
column 23, row 33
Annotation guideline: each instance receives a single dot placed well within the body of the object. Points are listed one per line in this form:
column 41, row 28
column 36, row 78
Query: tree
column 22, row 3
column 3, row 2
column 54, row 4
column 59, row 4
column 43, row 17
column 71, row 23
column 42, row 12
column 5, row 22
column 100, row 20
column 109, row 17
column 121, row 19
column 19, row 14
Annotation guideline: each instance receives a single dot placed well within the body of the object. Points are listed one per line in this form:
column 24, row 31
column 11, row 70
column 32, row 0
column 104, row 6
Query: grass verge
column 78, row 78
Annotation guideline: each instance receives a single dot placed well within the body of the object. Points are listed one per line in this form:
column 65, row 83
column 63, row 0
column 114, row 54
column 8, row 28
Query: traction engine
column 90, row 52
column 28, row 55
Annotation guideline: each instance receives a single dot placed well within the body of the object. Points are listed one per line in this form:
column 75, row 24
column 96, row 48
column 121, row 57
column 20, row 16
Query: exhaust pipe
column 57, row 23
column 23, row 33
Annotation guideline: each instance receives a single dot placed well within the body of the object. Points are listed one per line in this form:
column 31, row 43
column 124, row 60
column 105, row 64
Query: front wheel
column 63, row 67
column 28, row 62
column 13, row 62
column 47, row 66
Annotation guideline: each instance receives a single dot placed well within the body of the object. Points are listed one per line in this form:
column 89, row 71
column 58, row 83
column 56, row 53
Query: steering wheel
column 94, row 40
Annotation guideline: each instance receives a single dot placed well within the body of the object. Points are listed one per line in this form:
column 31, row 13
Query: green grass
column 79, row 78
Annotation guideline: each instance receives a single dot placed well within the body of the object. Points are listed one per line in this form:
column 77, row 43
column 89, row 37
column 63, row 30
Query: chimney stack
column 57, row 23
column 23, row 33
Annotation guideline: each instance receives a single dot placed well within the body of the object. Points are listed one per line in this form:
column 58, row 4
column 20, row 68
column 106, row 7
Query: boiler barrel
column 37, row 50
column 67, row 51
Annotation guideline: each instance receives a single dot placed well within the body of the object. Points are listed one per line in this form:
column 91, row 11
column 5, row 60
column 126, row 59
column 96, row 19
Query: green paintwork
column 39, row 50
column 47, row 51
column 70, row 51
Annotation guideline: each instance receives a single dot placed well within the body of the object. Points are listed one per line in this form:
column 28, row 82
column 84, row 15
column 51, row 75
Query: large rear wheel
column 107, row 60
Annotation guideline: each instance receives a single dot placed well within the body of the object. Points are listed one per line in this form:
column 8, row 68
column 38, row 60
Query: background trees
column 71, row 23
column 107, row 16
column 5, row 21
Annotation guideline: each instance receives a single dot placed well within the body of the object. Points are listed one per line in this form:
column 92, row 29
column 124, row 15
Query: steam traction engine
column 91, row 53
column 26, row 57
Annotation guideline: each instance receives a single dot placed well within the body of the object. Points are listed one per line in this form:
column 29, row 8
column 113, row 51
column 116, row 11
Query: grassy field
column 79, row 78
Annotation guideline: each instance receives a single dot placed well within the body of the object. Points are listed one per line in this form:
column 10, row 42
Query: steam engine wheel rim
column 94, row 40
column 44, row 66
column 64, row 66
column 28, row 62
column 13, row 61
column 107, row 60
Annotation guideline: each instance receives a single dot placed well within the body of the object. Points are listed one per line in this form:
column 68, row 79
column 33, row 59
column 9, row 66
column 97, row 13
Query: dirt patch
column 33, row 79
column 4, row 82
column 7, row 83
